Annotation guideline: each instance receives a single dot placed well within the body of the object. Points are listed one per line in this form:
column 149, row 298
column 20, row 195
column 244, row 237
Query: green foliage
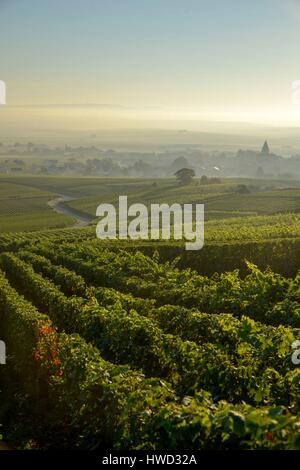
column 115, row 348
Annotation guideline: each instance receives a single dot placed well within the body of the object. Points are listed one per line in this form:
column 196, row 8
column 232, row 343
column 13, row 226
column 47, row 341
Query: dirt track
column 58, row 205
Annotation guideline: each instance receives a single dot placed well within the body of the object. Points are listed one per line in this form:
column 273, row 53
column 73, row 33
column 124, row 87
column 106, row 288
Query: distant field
column 36, row 221
column 23, row 202
column 78, row 187
column 221, row 200
column 24, row 208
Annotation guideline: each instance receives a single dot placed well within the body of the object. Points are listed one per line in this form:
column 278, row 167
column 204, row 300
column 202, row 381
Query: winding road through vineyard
column 58, row 205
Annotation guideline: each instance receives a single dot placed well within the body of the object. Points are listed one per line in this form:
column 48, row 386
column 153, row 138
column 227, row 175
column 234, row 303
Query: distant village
column 38, row 159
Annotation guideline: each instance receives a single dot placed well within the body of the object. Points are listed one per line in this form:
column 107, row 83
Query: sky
column 154, row 63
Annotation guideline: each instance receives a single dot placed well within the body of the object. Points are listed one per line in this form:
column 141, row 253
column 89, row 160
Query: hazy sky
column 158, row 60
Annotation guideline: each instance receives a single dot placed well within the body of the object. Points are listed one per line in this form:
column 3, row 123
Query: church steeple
column 265, row 149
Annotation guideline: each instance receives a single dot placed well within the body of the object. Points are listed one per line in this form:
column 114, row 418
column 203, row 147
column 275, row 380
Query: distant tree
column 215, row 180
column 141, row 167
column 180, row 162
column 185, row 175
column 242, row 189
